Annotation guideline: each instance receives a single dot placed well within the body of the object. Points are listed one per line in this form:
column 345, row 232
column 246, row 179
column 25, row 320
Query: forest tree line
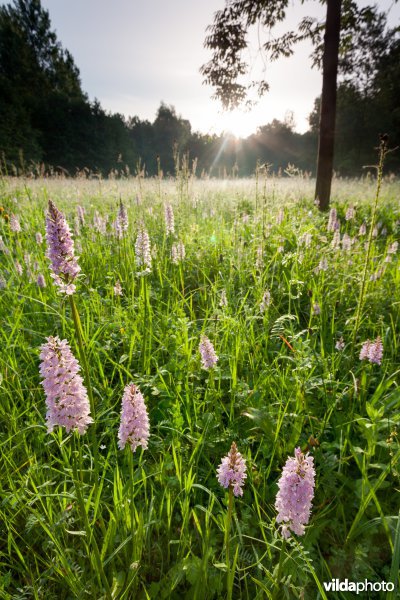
column 47, row 119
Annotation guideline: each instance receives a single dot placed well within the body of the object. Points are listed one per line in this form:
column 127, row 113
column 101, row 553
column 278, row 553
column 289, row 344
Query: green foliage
column 159, row 517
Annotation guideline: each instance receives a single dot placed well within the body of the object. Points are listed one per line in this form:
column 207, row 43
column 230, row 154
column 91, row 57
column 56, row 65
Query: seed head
column 223, row 301
column 265, row 302
column 118, row 289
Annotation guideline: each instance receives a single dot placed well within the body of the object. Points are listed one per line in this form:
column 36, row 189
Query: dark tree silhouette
column 228, row 40
column 47, row 121
column 326, row 140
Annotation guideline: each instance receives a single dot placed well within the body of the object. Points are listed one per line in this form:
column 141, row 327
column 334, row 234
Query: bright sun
column 239, row 123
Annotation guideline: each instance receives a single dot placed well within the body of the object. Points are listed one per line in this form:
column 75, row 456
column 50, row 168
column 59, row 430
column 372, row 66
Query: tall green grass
column 158, row 517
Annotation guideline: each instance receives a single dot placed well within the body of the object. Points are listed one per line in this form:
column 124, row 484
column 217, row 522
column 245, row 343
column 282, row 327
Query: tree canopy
column 47, row 119
column 348, row 40
column 364, row 39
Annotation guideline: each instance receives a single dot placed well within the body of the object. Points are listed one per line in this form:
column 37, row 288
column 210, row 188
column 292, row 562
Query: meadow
column 288, row 297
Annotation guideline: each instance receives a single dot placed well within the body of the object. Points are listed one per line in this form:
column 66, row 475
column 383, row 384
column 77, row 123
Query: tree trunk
column 328, row 104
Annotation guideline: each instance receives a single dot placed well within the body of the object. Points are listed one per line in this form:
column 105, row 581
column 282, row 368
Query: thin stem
column 132, row 499
column 364, row 281
column 227, row 544
column 276, row 593
column 82, row 353
column 82, row 509
column 144, row 341
column 83, row 358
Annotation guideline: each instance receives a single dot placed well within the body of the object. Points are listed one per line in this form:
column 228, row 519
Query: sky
column 134, row 54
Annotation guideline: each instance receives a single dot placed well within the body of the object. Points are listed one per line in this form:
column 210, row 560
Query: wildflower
column 142, row 249
column 280, row 217
column 393, row 248
column 346, row 242
column 378, row 274
column 350, row 213
column 18, row 268
column 340, row 344
column 169, row 219
column 178, row 252
column 144, row 272
column 60, row 250
column 134, row 427
column 39, row 238
column 332, row 221
column 15, row 224
column 121, row 223
column 306, row 239
column 80, row 214
column 365, row 350
column 296, row 491
column 99, row 223
column 232, row 471
column 322, row 265
column 372, row 351
column 77, row 226
column 265, row 302
column 41, row 282
column 316, row 308
column 336, row 240
column 3, row 247
column 376, row 351
column 363, row 229
column 118, row 289
column 260, row 258
column 208, row 357
column 66, row 397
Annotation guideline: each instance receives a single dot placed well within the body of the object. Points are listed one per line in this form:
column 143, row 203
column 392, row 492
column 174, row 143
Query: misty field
column 300, row 311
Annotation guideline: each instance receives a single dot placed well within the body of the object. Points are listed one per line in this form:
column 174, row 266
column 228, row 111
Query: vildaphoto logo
column 336, row 585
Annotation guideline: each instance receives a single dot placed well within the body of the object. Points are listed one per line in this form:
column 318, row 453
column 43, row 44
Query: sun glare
column 236, row 122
